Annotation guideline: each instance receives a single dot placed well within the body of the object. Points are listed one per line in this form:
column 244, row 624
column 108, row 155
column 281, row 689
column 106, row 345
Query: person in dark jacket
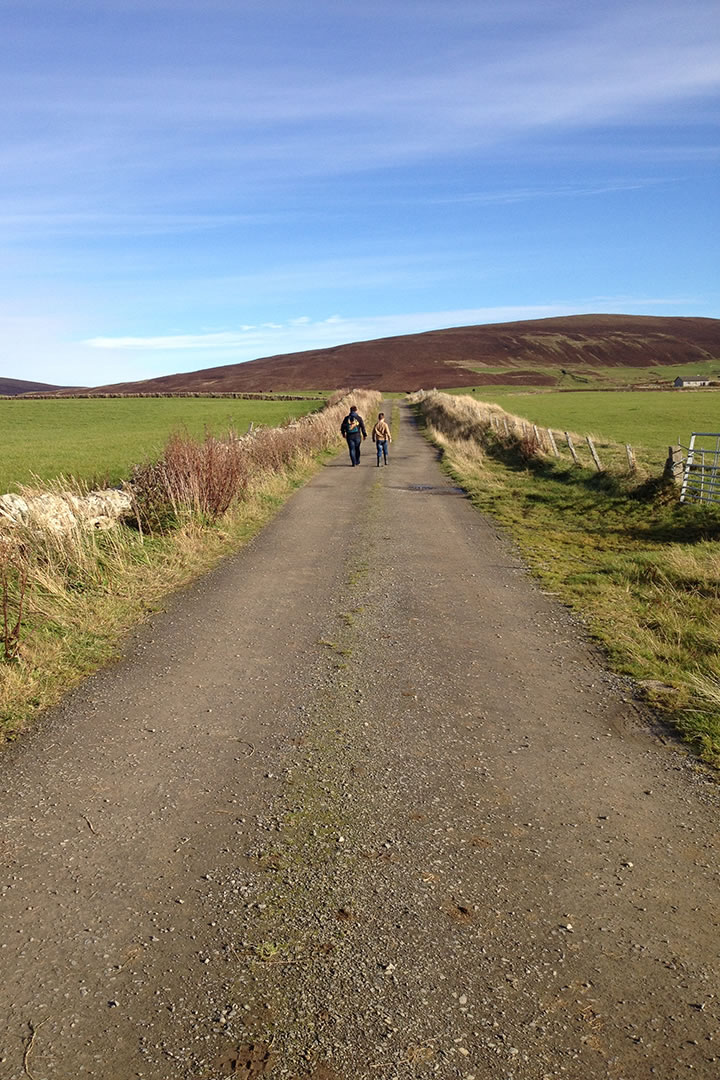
column 353, row 428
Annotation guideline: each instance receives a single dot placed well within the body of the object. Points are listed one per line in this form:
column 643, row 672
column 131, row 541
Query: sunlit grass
column 100, row 439
column 77, row 591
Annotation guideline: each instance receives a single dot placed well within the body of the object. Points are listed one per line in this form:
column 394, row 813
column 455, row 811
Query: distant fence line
column 179, row 394
column 544, row 439
column 695, row 469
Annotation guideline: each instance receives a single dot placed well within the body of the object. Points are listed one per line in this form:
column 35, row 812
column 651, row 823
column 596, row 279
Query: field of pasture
column 649, row 421
column 97, row 440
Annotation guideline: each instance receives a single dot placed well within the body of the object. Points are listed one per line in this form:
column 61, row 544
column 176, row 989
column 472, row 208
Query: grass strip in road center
column 295, row 932
column 642, row 569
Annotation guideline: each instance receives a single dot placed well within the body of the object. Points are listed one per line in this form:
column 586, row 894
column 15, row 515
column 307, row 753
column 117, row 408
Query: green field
column 648, row 421
column 99, row 440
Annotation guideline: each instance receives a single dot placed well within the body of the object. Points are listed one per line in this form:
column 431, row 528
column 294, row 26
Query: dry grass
column 83, row 588
column 464, row 418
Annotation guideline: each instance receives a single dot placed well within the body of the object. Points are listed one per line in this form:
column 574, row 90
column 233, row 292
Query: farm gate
column 701, row 468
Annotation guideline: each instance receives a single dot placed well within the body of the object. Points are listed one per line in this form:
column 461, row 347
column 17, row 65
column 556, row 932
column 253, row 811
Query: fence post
column 505, row 425
column 632, row 464
column 673, row 470
column 571, row 448
column 593, row 451
column 551, row 440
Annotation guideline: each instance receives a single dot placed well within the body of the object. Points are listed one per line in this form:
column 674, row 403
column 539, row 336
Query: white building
column 691, row 380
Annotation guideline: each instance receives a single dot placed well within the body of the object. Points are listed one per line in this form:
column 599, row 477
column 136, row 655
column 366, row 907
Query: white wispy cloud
column 564, row 191
column 617, row 64
column 49, row 222
column 303, row 333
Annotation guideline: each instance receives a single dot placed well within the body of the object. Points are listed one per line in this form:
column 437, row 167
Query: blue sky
column 186, row 183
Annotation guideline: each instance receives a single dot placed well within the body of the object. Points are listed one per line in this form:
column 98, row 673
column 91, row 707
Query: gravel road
column 363, row 802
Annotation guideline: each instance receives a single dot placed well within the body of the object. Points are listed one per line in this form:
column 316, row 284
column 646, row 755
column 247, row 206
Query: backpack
column 352, row 424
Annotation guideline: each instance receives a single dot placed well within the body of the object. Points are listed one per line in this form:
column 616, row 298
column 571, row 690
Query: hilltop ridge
column 530, row 352
column 16, row 387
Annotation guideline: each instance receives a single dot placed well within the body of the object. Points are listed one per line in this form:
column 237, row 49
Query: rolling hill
column 530, row 352
column 15, row 387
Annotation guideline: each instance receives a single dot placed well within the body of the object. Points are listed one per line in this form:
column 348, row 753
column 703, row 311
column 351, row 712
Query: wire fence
column 584, row 450
column 694, row 470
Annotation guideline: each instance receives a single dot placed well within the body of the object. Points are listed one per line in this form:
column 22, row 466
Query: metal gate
column 701, row 468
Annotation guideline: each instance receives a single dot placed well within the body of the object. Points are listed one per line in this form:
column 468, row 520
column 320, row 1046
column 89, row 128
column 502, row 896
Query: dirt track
column 362, row 803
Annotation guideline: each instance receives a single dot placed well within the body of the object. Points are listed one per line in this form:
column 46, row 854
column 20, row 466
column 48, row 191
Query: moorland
column 573, row 351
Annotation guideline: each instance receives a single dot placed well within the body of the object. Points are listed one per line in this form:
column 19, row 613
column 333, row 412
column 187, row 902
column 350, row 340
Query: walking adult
column 353, row 428
column 381, row 437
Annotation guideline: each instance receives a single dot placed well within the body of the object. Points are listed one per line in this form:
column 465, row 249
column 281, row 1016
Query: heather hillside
column 533, row 352
column 14, row 387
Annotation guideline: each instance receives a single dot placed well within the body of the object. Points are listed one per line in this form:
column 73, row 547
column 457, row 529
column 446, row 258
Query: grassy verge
column 72, row 595
column 642, row 569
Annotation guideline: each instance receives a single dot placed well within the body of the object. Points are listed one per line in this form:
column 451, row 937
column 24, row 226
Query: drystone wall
column 65, row 511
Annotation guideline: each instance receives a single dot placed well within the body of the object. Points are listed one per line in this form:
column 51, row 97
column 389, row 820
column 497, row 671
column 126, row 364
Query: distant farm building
column 691, row 380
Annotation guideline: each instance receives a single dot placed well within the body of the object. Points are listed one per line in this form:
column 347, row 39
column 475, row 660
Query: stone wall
column 65, row 511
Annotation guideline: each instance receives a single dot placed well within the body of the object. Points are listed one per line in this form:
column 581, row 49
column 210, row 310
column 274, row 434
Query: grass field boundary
column 249, row 396
column 98, row 440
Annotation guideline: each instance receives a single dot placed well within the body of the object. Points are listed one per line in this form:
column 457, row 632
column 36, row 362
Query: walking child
column 381, row 437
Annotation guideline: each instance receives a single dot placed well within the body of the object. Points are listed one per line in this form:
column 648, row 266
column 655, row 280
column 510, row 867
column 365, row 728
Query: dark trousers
column 382, row 445
column 354, row 442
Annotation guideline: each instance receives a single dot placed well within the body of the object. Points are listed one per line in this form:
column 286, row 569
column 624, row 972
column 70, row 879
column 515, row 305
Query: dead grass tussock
column 466, row 457
column 708, row 687
column 462, row 416
column 695, row 567
column 85, row 588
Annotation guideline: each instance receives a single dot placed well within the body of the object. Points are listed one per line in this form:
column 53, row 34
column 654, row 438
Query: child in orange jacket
column 381, row 437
